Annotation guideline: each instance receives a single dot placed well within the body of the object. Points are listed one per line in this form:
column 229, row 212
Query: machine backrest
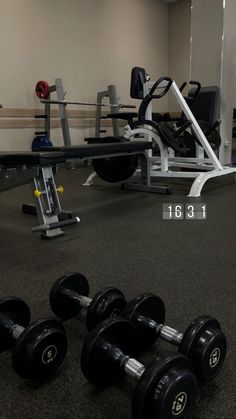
column 206, row 106
column 138, row 78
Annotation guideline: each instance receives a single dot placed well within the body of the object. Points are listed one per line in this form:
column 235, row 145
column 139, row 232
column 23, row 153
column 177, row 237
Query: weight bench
column 122, row 149
column 17, row 168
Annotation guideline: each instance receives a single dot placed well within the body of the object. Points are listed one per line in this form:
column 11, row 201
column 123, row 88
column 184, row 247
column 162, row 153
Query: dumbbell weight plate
column 166, row 389
column 108, row 302
column 115, row 169
column 206, row 344
column 97, row 365
column 18, row 312
column 40, row 349
column 150, row 306
column 63, row 306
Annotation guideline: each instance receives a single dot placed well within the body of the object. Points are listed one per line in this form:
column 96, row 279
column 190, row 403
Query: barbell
column 42, row 91
column 66, row 102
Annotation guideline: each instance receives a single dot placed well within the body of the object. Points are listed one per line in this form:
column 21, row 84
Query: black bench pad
column 90, row 150
column 13, row 159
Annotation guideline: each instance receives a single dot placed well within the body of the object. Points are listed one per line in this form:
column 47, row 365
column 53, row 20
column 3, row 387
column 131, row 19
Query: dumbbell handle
column 81, row 299
column 14, row 329
column 171, row 335
column 17, row 330
column 134, row 368
column 130, row 365
column 165, row 332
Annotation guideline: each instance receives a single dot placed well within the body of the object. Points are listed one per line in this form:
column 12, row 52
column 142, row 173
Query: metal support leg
column 63, row 113
column 200, row 180
column 111, row 94
column 90, row 179
column 145, row 185
column 47, row 203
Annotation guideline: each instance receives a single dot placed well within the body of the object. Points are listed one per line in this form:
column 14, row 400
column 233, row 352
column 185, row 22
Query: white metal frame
column 210, row 166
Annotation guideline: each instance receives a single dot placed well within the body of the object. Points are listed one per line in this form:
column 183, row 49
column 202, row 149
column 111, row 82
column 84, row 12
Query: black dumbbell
column 70, row 293
column 203, row 341
column 38, row 348
column 166, row 389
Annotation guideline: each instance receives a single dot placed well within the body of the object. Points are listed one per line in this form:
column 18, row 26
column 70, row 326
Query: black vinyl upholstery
column 89, row 150
column 42, row 158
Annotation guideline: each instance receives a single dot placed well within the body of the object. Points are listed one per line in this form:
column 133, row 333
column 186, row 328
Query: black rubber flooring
column 121, row 241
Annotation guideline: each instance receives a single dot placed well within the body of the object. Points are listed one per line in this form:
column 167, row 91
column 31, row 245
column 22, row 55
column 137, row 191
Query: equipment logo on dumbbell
column 215, row 357
column 49, row 354
column 179, row 404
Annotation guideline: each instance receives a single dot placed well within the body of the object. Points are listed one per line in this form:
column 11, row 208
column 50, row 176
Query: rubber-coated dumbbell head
column 150, row 306
column 40, row 349
column 98, row 365
column 61, row 305
column 166, row 389
column 15, row 310
column 206, row 344
column 108, row 302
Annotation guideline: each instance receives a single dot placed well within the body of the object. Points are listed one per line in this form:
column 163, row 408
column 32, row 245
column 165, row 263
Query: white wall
column 89, row 44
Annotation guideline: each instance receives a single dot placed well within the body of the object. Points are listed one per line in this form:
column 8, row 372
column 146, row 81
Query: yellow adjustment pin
column 37, row 193
column 60, row 189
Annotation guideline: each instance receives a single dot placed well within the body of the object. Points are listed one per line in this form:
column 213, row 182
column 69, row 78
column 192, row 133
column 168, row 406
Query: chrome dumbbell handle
column 171, row 335
column 81, row 299
column 131, row 366
column 134, row 368
column 167, row 333
column 16, row 331
column 84, row 301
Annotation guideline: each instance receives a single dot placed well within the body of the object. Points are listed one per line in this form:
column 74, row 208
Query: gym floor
column 121, row 241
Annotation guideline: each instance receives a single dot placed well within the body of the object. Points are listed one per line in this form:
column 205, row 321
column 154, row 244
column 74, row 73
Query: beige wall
column 214, row 58
column 89, row 44
column 179, row 44
column 207, row 30
column 228, row 80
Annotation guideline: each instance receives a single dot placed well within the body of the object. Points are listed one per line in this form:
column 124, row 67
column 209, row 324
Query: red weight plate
column 42, row 89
